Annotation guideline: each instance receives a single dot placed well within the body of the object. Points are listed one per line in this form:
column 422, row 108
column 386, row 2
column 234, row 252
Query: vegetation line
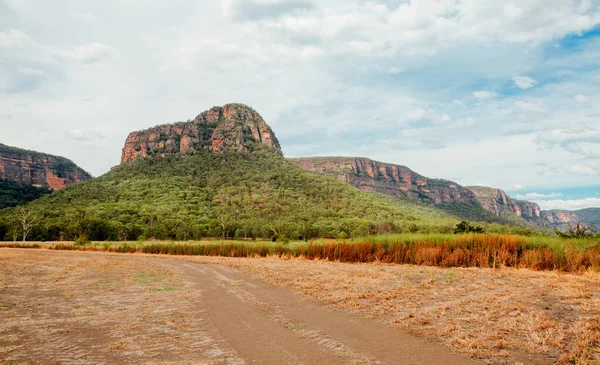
column 470, row 250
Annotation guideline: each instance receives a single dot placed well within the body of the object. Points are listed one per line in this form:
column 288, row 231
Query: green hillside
column 256, row 194
column 14, row 194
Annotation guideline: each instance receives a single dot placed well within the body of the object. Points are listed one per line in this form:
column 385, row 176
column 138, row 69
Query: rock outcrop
column 231, row 127
column 496, row 201
column 562, row 218
column 390, row 179
column 400, row 181
column 38, row 169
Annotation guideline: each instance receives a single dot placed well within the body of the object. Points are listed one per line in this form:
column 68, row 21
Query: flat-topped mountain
column 38, row 169
column 232, row 127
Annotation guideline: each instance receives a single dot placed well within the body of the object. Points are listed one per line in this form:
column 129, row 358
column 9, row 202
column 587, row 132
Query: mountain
column 497, row 202
column 401, row 182
column 389, row 179
column 562, row 218
column 38, row 169
column 221, row 174
column 472, row 202
column 228, row 128
column 27, row 175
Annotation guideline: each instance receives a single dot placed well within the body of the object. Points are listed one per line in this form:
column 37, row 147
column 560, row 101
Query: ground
column 88, row 307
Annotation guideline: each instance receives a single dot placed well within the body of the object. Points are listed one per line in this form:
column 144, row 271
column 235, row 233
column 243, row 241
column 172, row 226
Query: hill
column 231, row 180
column 27, row 175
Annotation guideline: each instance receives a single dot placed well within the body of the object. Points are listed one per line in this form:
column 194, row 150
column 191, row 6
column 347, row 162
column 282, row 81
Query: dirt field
column 94, row 308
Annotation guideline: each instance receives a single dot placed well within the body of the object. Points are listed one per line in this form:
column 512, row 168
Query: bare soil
column 99, row 308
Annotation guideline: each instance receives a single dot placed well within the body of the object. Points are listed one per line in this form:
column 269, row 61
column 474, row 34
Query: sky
column 482, row 92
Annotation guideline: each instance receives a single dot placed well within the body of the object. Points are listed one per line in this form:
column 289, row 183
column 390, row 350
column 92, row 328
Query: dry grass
column 503, row 316
column 472, row 250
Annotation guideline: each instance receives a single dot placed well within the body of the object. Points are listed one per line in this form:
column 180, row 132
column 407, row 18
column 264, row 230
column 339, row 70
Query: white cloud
column 518, row 187
column 483, row 95
column 583, row 170
column 395, row 70
column 531, row 107
column 13, row 38
column 512, row 11
column 89, row 53
column 32, row 71
column 445, row 118
column 581, row 98
column 524, row 82
column 77, row 134
column 574, row 204
column 538, row 196
column 87, row 17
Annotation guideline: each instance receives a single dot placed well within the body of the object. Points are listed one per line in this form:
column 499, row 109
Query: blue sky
column 504, row 94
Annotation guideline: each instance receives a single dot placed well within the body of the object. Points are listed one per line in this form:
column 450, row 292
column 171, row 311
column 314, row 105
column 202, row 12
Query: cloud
column 524, row 82
column 395, row 70
column 583, row 170
column 538, row 196
column 89, row 53
column 86, row 17
column 512, row 11
column 13, row 38
column 78, row 135
column 581, row 98
column 252, row 10
column 483, row 95
column 32, row 71
column 569, row 204
column 530, row 107
column 518, row 187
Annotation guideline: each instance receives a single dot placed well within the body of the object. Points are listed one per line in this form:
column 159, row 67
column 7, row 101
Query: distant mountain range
column 400, row 181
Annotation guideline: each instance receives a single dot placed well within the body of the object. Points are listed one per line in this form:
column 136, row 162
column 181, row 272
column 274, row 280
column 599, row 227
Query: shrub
column 82, row 240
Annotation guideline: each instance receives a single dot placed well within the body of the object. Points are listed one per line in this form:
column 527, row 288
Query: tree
column 27, row 221
column 467, row 227
column 580, row 231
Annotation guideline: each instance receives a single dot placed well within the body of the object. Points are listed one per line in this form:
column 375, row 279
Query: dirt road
column 94, row 308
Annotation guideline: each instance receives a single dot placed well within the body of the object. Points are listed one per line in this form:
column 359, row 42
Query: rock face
column 231, row 127
column 38, row 169
column 395, row 180
column 496, row 201
column 562, row 218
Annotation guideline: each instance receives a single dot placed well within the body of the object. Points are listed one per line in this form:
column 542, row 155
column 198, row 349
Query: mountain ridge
column 38, row 169
column 398, row 180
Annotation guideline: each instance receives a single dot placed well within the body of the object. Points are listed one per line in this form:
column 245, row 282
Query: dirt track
column 94, row 308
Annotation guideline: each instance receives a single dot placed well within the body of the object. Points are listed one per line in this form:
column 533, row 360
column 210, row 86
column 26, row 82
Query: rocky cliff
column 562, row 218
column 232, row 127
column 390, row 179
column 38, row 169
column 397, row 180
column 496, row 201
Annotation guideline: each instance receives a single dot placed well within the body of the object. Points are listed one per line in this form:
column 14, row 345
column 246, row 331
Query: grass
column 444, row 250
column 163, row 288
